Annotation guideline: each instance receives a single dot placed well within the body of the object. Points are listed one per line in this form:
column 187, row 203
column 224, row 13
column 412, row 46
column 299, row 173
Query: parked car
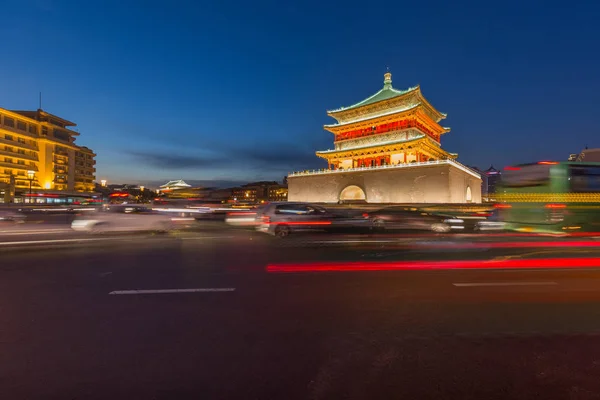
column 122, row 218
column 282, row 218
column 408, row 218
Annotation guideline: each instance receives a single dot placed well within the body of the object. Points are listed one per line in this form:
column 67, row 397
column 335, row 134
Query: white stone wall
column 425, row 184
column 459, row 181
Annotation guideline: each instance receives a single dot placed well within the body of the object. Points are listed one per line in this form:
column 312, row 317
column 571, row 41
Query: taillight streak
column 544, row 263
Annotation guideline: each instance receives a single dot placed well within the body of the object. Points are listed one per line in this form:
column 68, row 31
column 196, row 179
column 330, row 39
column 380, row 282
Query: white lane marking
column 355, row 241
column 162, row 291
column 474, row 284
column 24, row 231
column 56, row 241
column 35, row 233
column 206, row 237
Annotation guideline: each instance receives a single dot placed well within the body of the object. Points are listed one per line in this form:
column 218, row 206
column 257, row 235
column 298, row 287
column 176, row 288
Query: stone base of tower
column 444, row 181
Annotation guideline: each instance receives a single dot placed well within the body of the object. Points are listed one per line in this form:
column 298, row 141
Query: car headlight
column 453, row 221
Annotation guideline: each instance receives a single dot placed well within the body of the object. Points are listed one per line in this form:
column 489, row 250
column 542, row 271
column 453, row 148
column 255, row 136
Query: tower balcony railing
column 385, row 167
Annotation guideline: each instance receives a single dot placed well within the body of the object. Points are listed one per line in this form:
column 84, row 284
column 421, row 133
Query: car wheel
column 282, row 231
column 440, row 228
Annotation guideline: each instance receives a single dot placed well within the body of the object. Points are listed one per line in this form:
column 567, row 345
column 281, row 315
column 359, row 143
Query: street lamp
column 103, row 182
column 30, row 176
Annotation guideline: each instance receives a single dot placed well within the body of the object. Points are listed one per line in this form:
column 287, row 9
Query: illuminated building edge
column 43, row 143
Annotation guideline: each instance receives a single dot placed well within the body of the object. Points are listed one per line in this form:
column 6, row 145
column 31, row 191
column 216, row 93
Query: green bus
column 550, row 197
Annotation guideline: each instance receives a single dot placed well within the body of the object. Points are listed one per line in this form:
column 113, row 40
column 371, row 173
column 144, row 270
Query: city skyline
column 210, row 95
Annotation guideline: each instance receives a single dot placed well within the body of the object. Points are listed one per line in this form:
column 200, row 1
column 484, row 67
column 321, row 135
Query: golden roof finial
column 387, row 78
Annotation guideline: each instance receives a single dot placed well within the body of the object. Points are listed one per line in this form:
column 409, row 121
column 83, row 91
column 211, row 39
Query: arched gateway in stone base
column 387, row 149
column 352, row 192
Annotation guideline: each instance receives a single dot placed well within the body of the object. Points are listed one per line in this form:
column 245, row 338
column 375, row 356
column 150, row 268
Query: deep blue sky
column 237, row 90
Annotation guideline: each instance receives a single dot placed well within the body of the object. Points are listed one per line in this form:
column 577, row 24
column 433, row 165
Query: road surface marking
column 474, row 284
column 50, row 241
column 206, row 237
column 33, row 231
column 162, row 291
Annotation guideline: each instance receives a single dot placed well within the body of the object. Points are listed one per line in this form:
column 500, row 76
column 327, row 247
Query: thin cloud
column 267, row 160
column 172, row 161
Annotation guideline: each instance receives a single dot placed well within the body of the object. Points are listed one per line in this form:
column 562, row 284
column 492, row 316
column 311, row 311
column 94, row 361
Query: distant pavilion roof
column 386, row 93
column 178, row 184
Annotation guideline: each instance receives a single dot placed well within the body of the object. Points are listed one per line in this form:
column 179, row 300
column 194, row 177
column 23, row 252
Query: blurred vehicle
column 10, row 216
column 550, row 197
column 123, row 218
column 241, row 218
column 492, row 223
column 408, row 218
column 282, row 218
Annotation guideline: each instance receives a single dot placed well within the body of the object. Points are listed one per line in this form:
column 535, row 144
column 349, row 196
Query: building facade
column 387, row 150
column 38, row 149
column 586, row 155
column 259, row 192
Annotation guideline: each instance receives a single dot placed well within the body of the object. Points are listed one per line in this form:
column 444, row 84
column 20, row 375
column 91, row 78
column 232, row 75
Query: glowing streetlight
column 103, row 182
column 30, row 176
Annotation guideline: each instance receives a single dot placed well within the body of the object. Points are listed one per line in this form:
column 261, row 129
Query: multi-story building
column 387, row 149
column 278, row 193
column 39, row 150
column 258, row 192
column 490, row 179
column 587, row 155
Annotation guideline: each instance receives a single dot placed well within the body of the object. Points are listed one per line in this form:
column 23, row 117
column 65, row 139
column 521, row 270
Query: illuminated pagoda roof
column 178, row 184
column 387, row 101
column 386, row 93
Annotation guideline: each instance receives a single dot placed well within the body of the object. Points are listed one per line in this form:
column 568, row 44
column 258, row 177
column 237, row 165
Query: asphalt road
column 74, row 324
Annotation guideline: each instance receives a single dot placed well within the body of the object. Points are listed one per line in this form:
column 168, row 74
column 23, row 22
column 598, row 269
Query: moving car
column 407, row 218
column 10, row 216
column 282, row 218
column 492, row 223
column 122, row 218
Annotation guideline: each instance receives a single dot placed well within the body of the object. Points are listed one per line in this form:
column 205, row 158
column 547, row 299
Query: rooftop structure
column 175, row 185
column 390, row 127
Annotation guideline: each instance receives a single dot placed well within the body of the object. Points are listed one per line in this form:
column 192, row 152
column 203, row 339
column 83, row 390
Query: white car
column 122, row 218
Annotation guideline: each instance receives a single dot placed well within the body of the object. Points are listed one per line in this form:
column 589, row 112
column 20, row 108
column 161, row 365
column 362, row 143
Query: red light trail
column 539, row 263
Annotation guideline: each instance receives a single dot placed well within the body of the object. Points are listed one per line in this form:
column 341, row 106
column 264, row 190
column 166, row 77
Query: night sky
column 238, row 90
